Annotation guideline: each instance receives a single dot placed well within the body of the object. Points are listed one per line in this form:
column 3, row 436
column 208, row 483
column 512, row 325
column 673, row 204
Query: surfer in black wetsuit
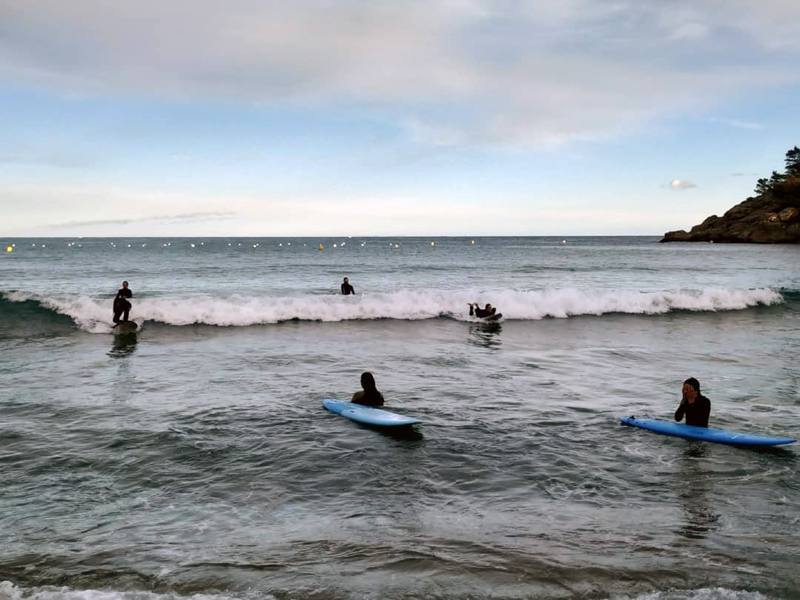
column 370, row 396
column 121, row 304
column 694, row 405
column 481, row 312
column 347, row 289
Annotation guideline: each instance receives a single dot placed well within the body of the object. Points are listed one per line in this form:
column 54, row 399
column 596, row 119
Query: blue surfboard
column 707, row 434
column 367, row 415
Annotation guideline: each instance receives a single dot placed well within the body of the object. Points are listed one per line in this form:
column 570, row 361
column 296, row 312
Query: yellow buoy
column 433, row 243
column 472, row 242
column 9, row 249
column 321, row 246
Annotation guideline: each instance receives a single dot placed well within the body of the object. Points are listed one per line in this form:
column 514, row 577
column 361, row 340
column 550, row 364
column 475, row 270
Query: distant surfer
column 121, row 305
column 474, row 310
column 347, row 289
column 694, row 405
column 369, row 396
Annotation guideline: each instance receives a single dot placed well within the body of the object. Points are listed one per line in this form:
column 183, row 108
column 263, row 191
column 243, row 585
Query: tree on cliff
column 764, row 185
column 793, row 162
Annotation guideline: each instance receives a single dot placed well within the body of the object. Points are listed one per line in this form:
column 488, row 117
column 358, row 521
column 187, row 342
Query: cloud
column 178, row 219
column 274, row 216
column 681, row 184
column 737, row 124
column 30, row 156
column 462, row 72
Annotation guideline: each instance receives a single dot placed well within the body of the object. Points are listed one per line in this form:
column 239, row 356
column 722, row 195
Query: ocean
column 195, row 460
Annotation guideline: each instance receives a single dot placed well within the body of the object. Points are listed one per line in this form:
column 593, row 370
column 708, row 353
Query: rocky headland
column 772, row 217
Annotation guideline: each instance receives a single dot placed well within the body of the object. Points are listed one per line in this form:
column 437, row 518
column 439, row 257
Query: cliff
column 770, row 218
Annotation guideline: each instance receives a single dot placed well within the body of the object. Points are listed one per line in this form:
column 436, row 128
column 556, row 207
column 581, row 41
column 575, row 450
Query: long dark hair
column 371, row 394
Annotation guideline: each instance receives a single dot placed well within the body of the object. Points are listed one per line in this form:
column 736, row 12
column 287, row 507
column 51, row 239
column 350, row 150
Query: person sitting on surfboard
column 481, row 312
column 121, row 304
column 370, row 396
column 694, row 405
column 347, row 289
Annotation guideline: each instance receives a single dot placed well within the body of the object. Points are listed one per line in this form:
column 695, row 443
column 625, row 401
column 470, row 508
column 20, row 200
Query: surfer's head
column 346, row 280
column 694, row 383
column 125, row 284
column 691, row 389
column 368, row 381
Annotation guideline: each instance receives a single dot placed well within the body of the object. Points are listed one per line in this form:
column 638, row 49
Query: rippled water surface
column 195, row 458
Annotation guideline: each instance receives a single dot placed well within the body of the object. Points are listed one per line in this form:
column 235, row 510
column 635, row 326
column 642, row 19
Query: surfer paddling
column 475, row 310
column 694, row 405
column 121, row 305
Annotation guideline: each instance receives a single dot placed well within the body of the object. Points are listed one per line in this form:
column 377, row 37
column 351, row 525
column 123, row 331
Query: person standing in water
column 121, row 304
column 369, row 396
column 694, row 405
column 347, row 289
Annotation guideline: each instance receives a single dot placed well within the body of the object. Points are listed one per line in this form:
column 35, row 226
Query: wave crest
column 94, row 315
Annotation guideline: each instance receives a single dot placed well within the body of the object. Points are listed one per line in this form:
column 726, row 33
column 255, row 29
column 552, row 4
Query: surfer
column 121, row 304
column 347, row 289
column 694, row 405
column 370, row 396
column 481, row 312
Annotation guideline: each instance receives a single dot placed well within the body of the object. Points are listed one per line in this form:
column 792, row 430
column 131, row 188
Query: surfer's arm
column 681, row 411
column 705, row 412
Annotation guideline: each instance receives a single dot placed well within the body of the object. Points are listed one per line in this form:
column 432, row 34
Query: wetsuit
column 121, row 304
column 480, row 312
column 696, row 413
column 371, row 398
column 347, row 289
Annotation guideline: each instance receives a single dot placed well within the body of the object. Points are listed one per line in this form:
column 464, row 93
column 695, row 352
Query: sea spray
column 94, row 315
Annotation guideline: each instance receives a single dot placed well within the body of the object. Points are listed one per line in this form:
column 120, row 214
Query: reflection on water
column 485, row 335
column 124, row 345
column 692, row 487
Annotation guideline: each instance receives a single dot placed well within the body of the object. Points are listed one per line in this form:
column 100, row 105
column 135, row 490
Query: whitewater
column 92, row 314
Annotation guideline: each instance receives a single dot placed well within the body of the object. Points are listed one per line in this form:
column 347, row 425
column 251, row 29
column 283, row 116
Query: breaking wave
column 94, row 315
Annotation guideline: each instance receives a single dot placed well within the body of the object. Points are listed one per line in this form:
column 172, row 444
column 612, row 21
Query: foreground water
column 195, row 459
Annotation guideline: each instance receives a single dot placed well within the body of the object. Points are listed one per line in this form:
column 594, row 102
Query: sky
column 401, row 117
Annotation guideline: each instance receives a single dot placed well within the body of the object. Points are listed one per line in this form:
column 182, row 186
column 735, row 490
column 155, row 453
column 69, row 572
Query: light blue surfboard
column 367, row 415
column 707, row 434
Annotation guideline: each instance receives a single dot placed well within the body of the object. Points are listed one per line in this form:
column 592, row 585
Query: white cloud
column 681, row 184
column 128, row 212
column 737, row 124
column 503, row 73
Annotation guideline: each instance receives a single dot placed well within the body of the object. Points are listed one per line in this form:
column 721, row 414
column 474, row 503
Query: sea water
column 194, row 459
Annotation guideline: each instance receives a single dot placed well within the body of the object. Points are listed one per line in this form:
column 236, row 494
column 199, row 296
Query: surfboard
column 707, row 434
column 125, row 327
column 495, row 317
column 367, row 415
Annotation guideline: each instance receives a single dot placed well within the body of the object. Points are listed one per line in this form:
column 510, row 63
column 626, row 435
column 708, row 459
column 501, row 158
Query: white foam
column 9, row 591
column 700, row 594
column 94, row 315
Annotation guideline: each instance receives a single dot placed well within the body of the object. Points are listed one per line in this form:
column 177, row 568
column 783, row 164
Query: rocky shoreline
column 772, row 217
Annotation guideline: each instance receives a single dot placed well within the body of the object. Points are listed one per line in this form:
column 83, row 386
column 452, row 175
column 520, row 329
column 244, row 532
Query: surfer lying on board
column 121, row 304
column 481, row 312
column 694, row 405
column 370, row 396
